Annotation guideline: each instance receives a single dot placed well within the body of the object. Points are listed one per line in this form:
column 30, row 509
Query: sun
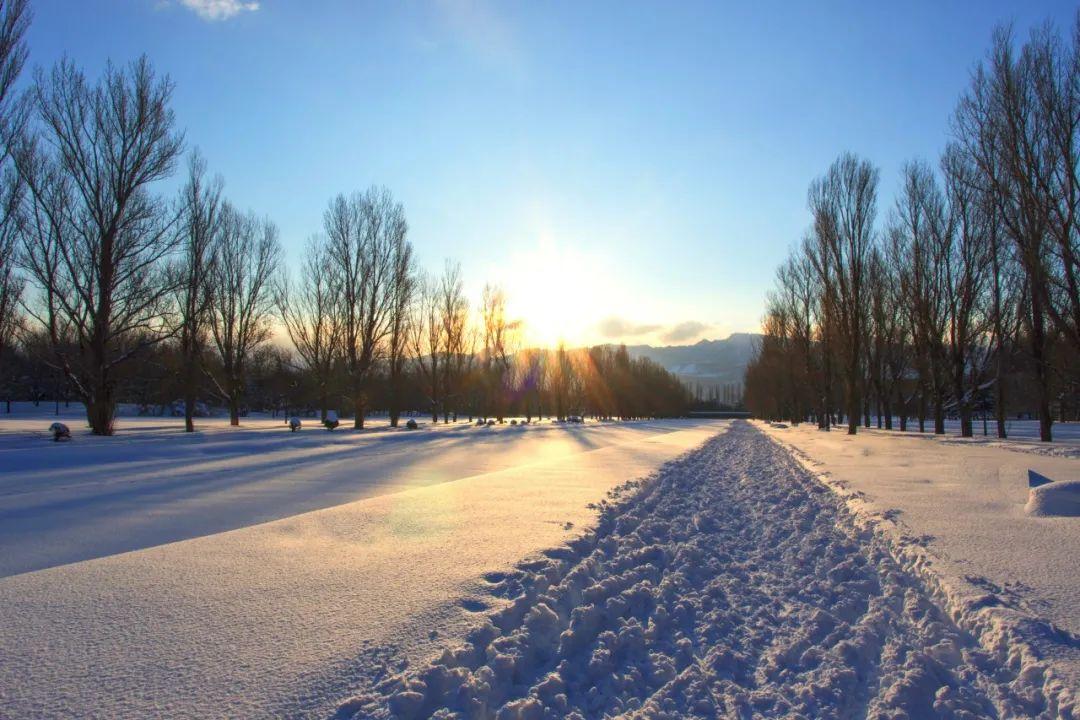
column 558, row 292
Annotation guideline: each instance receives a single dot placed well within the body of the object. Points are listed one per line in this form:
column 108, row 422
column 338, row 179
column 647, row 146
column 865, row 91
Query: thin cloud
column 616, row 327
column 685, row 331
column 219, row 9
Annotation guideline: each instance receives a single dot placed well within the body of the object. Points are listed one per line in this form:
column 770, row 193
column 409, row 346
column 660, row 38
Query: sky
column 626, row 171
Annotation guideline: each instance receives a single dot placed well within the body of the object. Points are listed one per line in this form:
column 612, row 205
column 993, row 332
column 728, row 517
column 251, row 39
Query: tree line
column 111, row 291
column 967, row 297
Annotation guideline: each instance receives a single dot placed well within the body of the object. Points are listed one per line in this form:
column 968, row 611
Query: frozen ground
column 1001, row 554
column 156, row 588
column 733, row 584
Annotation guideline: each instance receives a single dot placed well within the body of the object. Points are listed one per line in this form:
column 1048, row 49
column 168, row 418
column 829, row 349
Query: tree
column 844, row 205
column 453, row 311
column 427, row 339
column 11, row 284
column 402, row 286
column 310, row 315
column 965, row 264
column 499, row 342
column 241, row 298
column 14, row 21
column 361, row 229
column 97, row 238
column 998, row 124
column 201, row 226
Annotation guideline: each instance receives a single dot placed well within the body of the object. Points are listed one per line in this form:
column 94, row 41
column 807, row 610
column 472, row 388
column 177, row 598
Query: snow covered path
column 733, row 584
column 284, row 618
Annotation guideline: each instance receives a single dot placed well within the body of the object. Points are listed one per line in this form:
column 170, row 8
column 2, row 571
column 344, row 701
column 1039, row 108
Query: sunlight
column 559, row 292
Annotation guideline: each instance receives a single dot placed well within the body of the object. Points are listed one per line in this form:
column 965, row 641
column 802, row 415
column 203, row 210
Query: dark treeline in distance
column 110, row 291
column 967, row 299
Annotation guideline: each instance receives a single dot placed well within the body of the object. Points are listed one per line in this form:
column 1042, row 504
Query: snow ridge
column 731, row 583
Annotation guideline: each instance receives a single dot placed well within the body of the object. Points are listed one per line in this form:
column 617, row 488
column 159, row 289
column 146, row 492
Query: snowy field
column 735, row 570
column 1023, row 436
column 143, row 578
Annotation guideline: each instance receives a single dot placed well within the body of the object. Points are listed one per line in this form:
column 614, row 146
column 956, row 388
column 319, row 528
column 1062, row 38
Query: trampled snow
column 958, row 512
column 734, row 584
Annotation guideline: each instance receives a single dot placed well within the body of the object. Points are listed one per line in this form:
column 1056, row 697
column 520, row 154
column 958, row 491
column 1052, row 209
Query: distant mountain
column 709, row 362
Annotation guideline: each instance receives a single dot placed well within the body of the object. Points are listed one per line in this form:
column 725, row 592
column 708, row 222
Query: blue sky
column 626, row 170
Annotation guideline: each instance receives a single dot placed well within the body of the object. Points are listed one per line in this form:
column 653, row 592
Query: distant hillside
column 709, row 362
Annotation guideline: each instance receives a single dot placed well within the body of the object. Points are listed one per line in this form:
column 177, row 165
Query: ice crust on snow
column 730, row 583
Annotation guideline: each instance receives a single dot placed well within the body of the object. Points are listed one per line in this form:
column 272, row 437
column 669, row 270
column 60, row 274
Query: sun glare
column 558, row 292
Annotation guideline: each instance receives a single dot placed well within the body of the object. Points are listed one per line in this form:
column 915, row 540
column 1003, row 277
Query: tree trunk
column 234, row 409
column 853, row 406
column 999, row 407
column 922, row 410
column 189, row 411
column 358, row 412
column 966, row 425
column 395, row 406
column 1042, row 375
column 100, row 413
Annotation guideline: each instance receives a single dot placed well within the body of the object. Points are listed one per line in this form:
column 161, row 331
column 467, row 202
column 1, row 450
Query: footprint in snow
column 473, row 605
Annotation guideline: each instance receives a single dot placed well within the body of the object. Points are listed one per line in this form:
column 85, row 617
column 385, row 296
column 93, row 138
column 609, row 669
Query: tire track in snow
column 731, row 584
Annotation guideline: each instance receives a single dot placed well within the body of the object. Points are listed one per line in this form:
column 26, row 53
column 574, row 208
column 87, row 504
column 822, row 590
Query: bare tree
column 844, row 205
column 14, row 21
column 427, row 338
column 500, row 336
column 361, row 229
column 98, row 238
column 1054, row 68
column 966, row 262
column 310, row 315
column 241, row 298
column 998, row 124
column 457, row 353
column 402, row 286
column 11, row 284
column 201, row 225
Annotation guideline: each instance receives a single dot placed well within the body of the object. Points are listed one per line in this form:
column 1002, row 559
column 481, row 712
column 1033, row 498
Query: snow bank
column 1055, row 499
column 731, row 583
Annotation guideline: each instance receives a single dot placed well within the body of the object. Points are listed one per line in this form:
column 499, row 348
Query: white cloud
column 219, row 9
column 685, row 331
column 617, row 327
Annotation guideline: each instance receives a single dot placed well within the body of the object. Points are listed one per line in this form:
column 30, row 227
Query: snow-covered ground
column 736, row 570
column 994, row 532
column 152, row 483
column 162, row 591
column 733, row 584
column 1023, row 436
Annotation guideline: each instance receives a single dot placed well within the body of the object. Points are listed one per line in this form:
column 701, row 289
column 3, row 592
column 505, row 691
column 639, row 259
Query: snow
column 139, row 576
column 663, row 569
column 1023, row 436
column 734, row 584
column 1055, row 498
column 956, row 513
